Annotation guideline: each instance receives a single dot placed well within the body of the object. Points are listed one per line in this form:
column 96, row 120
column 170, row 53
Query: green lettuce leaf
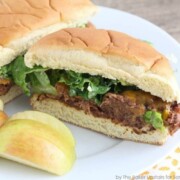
column 40, row 83
column 84, row 85
column 5, row 71
column 26, row 78
column 90, row 87
column 20, row 71
column 155, row 119
column 43, row 80
column 148, row 42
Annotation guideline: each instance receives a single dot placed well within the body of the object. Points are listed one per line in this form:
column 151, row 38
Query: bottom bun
column 102, row 125
column 14, row 92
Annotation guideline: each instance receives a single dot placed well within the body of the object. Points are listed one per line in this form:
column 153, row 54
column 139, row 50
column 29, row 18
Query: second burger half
column 23, row 22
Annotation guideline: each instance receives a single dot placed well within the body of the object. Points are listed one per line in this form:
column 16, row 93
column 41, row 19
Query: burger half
column 102, row 80
column 23, row 22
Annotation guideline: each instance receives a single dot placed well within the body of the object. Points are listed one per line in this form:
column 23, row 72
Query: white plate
column 100, row 157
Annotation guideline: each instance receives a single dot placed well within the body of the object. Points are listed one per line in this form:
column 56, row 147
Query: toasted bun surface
column 110, row 54
column 105, row 126
column 23, row 22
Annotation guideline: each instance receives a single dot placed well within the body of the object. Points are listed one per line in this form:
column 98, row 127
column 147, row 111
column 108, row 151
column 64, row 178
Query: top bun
column 110, row 54
column 22, row 22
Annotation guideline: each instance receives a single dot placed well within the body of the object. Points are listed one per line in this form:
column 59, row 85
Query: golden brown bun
column 105, row 126
column 23, row 22
column 23, row 16
column 110, row 54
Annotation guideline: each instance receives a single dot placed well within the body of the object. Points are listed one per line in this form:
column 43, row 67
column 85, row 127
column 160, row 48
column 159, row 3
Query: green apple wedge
column 3, row 115
column 38, row 144
column 3, row 118
column 46, row 119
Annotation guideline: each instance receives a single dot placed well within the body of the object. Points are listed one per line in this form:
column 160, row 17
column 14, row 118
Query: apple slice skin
column 3, row 118
column 36, row 143
column 46, row 119
column 3, row 115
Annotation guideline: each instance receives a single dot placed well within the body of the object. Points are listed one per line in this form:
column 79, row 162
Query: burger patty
column 5, row 85
column 127, row 108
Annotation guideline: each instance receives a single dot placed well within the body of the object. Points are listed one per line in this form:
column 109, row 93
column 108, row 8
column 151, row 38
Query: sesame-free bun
column 101, row 125
column 23, row 22
column 110, row 54
column 14, row 92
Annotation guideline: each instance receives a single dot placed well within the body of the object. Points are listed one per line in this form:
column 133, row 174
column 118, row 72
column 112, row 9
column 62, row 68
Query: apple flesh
column 38, row 144
column 49, row 120
column 1, row 105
